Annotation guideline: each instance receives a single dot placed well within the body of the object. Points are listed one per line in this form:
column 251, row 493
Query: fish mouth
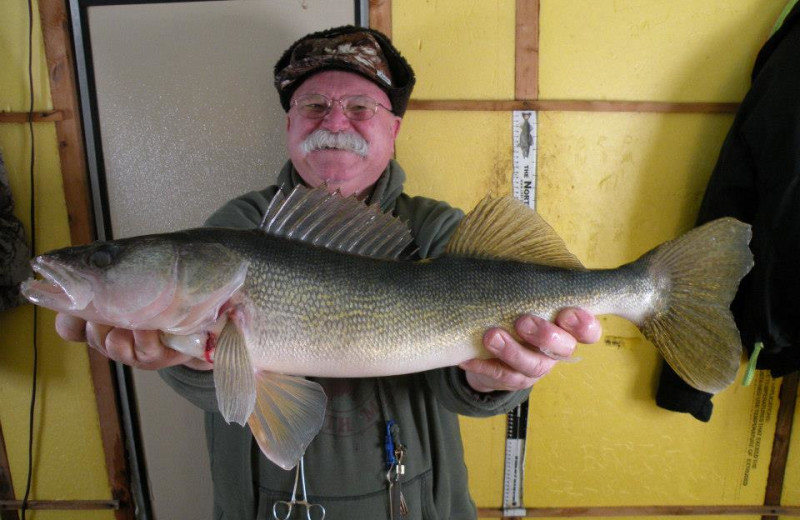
column 61, row 288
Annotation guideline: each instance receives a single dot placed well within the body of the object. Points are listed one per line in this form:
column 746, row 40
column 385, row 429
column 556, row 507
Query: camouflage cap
column 366, row 52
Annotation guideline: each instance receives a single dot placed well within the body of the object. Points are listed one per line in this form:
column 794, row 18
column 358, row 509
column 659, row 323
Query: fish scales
column 321, row 313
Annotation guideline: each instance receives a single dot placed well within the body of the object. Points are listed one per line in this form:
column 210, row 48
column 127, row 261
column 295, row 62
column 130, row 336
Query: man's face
column 342, row 169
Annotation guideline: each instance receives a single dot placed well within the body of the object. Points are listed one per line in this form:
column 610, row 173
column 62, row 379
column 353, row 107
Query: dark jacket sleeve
column 450, row 387
column 756, row 180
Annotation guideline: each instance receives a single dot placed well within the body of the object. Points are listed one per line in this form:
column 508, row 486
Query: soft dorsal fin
column 506, row 229
column 329, row 220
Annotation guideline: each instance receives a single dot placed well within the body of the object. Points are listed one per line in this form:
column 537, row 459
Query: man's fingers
column 518, row 363
column 530, row 363
column 96, row 336
column 550, row 339
column 151, row 353
column 486, row 375
column 71, row 328
column 140, row 348
column 147, row 347
column 118, row 344
column 582, row 324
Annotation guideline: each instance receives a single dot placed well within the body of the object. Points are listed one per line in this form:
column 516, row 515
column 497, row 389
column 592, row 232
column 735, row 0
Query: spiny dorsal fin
column 506, row 229
column 345, row 224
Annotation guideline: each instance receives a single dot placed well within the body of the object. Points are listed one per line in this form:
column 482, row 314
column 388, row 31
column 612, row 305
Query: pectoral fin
column 289, row 413
column 234, row 376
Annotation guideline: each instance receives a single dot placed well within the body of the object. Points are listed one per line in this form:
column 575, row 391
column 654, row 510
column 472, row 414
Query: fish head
column 115, row 282
column 172, row 282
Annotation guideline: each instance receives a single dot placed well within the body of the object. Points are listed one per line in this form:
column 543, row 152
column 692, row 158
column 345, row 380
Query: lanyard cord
column 392, row 432
column 32, row 414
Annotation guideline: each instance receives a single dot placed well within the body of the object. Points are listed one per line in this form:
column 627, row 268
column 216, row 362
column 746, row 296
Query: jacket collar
column 385, row 191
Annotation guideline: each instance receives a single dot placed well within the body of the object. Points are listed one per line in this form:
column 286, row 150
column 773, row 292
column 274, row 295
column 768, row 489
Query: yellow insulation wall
column 613, row 185
column 68, row 453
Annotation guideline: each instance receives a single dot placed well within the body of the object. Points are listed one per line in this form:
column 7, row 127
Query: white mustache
column 323, row 139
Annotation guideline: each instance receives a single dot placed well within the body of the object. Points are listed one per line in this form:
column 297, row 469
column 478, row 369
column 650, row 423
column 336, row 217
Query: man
column 345, row 91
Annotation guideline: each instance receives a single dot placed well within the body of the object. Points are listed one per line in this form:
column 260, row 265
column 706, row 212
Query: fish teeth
column 47, row 272
column 54, row 275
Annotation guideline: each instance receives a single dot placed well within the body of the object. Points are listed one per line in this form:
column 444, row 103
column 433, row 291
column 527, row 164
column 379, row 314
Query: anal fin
column 289, row 413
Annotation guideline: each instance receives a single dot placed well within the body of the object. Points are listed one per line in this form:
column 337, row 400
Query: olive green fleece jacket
column 345, row 464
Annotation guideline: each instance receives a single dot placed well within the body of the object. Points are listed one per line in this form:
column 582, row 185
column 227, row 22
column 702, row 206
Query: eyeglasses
column 355, row 108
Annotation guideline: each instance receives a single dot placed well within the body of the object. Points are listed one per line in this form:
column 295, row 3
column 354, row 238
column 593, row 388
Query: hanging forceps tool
column 282, row 509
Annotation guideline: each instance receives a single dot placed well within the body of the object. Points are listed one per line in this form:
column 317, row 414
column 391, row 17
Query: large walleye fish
column 318, row 290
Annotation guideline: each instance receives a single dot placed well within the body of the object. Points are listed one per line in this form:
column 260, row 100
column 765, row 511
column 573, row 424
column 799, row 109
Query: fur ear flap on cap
column 364, row 51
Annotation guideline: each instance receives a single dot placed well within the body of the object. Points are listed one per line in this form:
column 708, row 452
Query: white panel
column 189, row 119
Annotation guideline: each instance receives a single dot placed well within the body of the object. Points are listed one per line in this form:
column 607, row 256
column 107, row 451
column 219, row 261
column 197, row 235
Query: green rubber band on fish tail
column 751, row 365
column 782, row 16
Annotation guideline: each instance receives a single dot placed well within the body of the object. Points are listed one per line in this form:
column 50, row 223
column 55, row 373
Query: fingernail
column 552, row 355
column 497, row 342
column 527, row 325
column 570, row 319
column 549, row 353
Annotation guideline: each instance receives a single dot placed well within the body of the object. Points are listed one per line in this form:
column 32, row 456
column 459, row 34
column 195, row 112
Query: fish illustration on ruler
column 321, row 290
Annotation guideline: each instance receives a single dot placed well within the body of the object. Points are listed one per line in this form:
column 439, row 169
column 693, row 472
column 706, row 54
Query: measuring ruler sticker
column 513, row 475
column 524, row 132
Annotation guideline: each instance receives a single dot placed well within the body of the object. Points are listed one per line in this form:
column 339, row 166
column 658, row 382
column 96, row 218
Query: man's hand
column 137, row 348
column 517, row 366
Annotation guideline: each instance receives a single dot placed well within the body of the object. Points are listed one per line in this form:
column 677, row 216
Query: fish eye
column 100, row 258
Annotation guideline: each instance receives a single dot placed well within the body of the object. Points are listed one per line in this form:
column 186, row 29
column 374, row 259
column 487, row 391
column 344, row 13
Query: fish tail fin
column 693, row 326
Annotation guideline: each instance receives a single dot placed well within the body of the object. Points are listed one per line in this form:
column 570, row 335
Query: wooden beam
column 780, row 445
column 380, row 16
column 526, row 68
column 574, row 106
column 570, row 512
column 6, row 486
column 61, row 505
column 49, row 116
column 63, row 88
